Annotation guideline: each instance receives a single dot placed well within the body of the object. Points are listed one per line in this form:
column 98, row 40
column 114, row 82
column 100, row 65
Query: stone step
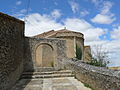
column 46, row 76
column 44, row 69
column 46, row 73
column 49, row 74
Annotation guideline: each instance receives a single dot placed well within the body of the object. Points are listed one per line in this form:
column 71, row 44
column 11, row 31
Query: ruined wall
column 11, row 50
column 31, row 45
column 98, row 78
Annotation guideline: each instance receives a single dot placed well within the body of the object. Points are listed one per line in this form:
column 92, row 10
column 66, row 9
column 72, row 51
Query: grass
column 52, row 64
column 87, row 85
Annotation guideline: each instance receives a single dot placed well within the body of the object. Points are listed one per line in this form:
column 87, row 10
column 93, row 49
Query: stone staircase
column 48, row 79
column 47, row 74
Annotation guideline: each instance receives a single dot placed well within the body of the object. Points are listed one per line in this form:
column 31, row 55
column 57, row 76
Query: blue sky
column 98, row 20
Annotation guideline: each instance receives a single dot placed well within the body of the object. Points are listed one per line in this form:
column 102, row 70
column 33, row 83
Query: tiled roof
column 53, row 33
column 45, row 34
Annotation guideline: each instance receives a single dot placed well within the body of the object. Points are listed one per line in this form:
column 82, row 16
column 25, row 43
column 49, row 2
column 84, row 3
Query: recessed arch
column 44, row 56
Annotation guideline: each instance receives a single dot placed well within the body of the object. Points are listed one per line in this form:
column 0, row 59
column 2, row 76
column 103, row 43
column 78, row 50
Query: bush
column 78, row 52
column 95, row 62
column 99, row 56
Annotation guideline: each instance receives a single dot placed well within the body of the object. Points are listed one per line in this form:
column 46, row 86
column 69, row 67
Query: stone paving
column 61, row 83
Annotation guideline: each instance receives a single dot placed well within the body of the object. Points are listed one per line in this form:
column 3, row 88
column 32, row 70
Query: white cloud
column 105, row 16
column 116, row 25
column 103, row 19
column 91, row 33
column 115, row 34
column 74, row 6
column 103, row 6
column 115, row 59
column 37, row 23
column 84, row 13
column 21, row 13
column 97, row 3
column 114, row 48
column 18, row 2
column 77, row 24
column 56, row 13
column 107, row 5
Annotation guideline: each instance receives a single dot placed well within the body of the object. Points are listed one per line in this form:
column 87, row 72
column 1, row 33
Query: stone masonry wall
column 98, row 78
column 31, row 44
column 11, row 50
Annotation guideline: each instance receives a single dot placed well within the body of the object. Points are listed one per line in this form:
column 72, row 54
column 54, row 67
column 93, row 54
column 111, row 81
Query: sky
column 98, row 20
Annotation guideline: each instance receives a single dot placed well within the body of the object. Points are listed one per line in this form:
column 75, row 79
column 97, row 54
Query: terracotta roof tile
column 53, row 33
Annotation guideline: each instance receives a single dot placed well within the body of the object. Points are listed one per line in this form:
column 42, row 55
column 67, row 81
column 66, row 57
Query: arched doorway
column 44, row 56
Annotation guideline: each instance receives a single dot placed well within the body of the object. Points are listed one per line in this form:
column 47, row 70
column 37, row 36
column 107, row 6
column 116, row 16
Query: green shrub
column 98, row 62
column 78, row 52
column 99, row 56
column 87, row 85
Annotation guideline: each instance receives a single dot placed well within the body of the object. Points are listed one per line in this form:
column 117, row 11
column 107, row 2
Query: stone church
column 74, row 42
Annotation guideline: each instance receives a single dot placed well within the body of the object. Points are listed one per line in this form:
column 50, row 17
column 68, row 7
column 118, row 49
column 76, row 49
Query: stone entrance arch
column 44, row 55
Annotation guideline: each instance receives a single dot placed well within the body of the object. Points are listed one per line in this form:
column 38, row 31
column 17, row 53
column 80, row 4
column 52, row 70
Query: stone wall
column 115, row 68
column 11, row 50
column 87, row 54
column 98, row 78
column 31, row 45
column 70, row 46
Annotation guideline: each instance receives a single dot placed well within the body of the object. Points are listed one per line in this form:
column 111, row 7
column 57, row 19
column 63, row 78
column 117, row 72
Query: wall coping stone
column 11, row 18
column 91, row 68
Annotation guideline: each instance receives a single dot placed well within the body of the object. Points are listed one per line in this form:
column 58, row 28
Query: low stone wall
column 98, row 78
column 31, row 44
column 11, row 50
